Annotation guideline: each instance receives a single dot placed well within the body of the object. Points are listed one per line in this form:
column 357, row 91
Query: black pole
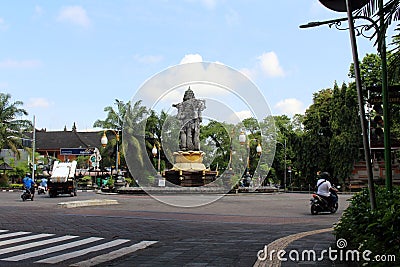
column 361, row 106
column 385, row 100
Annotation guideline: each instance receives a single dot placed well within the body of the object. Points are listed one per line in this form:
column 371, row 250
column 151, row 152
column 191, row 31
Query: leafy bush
column 16, row 186
column 131, row 182
column 377, row 230
column 85, row 181
column 110, row 182
column 3, row 180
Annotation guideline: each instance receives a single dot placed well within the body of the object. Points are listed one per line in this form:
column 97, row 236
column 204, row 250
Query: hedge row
column 377, row 230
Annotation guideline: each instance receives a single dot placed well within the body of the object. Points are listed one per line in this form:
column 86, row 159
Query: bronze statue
column 189, row 115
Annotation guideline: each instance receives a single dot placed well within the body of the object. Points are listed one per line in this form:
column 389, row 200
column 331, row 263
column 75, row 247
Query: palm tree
column 12, row 128
column 127, row 120
column 115, row 118
column 391, row 12
column 113, row 122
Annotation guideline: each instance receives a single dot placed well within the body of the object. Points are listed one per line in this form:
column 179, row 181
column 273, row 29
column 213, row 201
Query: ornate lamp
column 104, row 139
column 259, row 149
column 242, row 138
column 340, row 5
column 154, row 151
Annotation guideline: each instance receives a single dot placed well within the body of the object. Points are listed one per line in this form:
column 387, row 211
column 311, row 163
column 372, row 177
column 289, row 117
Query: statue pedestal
column 189, row 170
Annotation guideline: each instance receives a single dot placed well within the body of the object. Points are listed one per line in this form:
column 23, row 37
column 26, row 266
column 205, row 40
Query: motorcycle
column 321, row 204
column 27, row 194
column 42, row 190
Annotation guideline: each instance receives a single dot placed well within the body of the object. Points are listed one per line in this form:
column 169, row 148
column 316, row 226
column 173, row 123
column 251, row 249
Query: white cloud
column 75, row 15
column 267, row 64
column 191, row 58
column 38, row 103
column 147, row 59
column 23, row 64
column 270, row 66
column 290, row 106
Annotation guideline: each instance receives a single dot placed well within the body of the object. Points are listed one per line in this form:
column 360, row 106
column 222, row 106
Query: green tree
column 283, row 127
column 115, row 117
column 114, row 122
column 153, row 133
column 384, row 15
column 370, row 71
column 394, row 59
column 346, row 131
column 12, row 128
column 314, row 152
column 215, row 142
column 134, row 138
column 370, row 68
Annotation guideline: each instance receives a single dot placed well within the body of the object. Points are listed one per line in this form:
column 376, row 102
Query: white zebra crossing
column 114, row 254
column 42, row 252
column 13, row 234
column 25, row 238
column 46, row 246
column 35, row 244
column 78, row 253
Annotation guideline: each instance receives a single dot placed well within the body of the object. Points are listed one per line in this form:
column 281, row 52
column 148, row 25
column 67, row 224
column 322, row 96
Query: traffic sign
column 76, row 151
column 393, row 98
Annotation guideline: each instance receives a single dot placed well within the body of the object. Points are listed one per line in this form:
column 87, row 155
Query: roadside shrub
column 110, row 182
column 378, row 230
column 3, row 180
column 130, row 181
column 16, row 186
column 85, row 181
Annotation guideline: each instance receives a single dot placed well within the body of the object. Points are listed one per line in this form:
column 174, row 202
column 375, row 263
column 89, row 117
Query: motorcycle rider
column 44, row 183
column 29, row 184
column 324, row 188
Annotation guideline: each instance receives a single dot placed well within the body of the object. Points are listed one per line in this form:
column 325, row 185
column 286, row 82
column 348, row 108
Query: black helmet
column 325, row 175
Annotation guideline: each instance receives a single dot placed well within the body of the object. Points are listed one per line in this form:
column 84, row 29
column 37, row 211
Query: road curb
column 85, row 203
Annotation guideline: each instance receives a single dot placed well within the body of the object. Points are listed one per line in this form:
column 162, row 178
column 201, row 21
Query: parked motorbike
column 41, row 190
column 321, row 204
column 27, row 195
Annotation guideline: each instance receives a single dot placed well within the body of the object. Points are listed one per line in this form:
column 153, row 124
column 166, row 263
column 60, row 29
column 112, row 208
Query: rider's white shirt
column 323, row 189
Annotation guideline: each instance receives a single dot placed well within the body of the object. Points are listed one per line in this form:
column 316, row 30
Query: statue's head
column 188, row 94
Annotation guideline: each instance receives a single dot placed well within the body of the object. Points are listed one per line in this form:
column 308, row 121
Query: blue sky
column 67, row 60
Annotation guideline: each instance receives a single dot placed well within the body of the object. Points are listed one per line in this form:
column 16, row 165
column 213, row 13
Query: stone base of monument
column 189, row 170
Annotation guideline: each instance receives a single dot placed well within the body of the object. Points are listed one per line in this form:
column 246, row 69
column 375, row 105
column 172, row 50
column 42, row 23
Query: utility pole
column 33, row 148
column 385, row 99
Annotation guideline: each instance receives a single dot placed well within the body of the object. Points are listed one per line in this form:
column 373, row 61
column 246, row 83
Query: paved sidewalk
column 318, row 243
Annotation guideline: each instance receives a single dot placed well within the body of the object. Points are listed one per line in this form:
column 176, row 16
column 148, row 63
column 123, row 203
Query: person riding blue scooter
column 29, row 187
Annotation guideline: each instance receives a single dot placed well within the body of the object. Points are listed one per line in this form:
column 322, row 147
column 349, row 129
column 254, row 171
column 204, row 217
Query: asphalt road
column 143, row 231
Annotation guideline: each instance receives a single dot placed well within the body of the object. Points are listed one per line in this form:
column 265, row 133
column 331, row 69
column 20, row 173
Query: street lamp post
column 242, row 140
column 33, row 149
column 284, row 174
column 104, row 141
column 156, row 151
